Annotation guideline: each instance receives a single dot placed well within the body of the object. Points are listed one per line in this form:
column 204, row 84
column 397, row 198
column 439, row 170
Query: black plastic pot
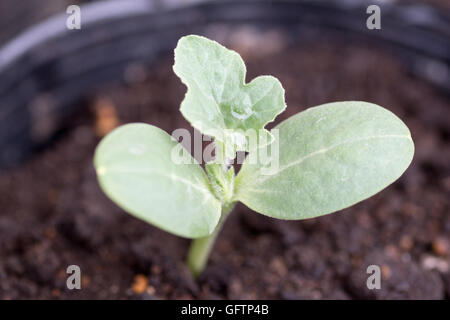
column 16, row 16
column 47, row 70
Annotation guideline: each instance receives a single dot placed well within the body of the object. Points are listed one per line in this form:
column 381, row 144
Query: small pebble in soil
column 56, row 293
column 106, row 116
column 435, row 263
column 441, row 246
column 386, row 272
column 406, row 242
column 85, row 281
column 140, row 284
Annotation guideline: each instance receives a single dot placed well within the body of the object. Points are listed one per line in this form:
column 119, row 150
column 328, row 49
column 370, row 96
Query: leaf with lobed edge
column 330, row 157
column 218, row 102
column 135, row 170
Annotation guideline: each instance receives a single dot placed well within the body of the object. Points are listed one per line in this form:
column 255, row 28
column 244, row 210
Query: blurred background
column 62, row 90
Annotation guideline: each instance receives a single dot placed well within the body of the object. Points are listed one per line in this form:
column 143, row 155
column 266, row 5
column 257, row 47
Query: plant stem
column 200, row 248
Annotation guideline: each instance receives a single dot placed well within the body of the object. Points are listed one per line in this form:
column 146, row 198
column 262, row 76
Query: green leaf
column 218, row 102
column 330, row 157
column 135, row 170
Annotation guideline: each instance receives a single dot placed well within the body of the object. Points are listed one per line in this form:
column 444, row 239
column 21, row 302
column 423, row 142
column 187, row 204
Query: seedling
column 327, row 157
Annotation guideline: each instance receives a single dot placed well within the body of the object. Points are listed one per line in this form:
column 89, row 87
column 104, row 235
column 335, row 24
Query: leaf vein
column 324, row 150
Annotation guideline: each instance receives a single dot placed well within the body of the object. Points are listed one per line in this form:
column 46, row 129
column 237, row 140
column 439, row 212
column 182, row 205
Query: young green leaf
column 221, row 181
column 218, row 102
column 330, row 157
column 135, row 169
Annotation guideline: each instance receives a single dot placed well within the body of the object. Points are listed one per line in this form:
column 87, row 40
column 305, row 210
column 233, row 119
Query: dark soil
column 53, row 213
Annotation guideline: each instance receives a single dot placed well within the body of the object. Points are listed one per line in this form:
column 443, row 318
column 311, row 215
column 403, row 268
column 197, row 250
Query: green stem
column 200, row 248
